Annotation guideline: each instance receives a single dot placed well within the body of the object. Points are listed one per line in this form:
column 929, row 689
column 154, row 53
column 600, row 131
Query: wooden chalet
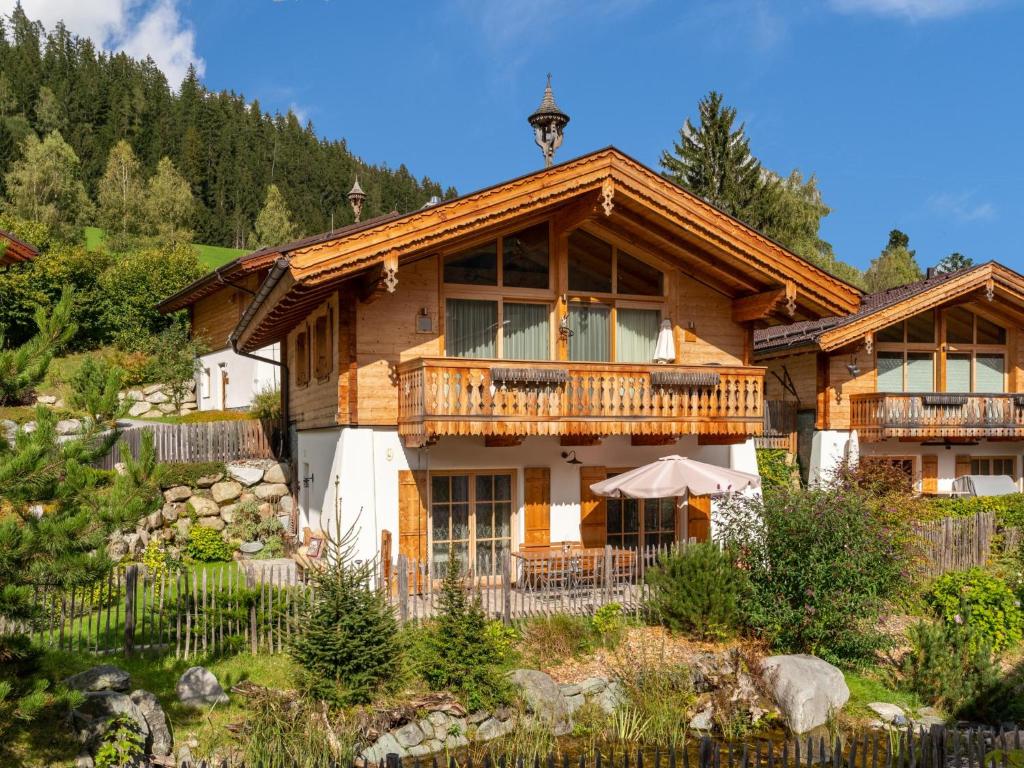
column 14, row 250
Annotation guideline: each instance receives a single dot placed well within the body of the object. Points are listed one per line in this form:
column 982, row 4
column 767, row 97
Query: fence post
column 506, row 586
column 250, row 583
column 131, row 577
column 403, row 589
column 607, row 574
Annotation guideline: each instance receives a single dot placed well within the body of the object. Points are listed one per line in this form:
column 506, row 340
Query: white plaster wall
column 363, row 464
column 828, row 449
column 246, row 378
column 947, row 458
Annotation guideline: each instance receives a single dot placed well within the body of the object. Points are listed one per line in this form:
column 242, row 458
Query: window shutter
column 537, row 503
column 698, row 520
column 412, row 514
column 930, row 474
column 593, row 508
column 963, row 466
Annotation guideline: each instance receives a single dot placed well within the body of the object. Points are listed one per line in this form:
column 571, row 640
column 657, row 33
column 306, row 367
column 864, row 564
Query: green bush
column 821, row 564
column 774, row 468
column 458, row 654
column 609, row 623
column 248, row 525
column 981, row 601
column 696, row 589
column 94, row 389
column 503, row 639
column 1009, row 509
column 123, row 744
column 948, row 666
column 266, row 405
column 206, row 545
column 347, row 643
column 552, row 639
column 187, row 473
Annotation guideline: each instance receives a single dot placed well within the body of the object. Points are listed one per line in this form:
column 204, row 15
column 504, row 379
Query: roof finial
column 356, row 196
column 548, row 123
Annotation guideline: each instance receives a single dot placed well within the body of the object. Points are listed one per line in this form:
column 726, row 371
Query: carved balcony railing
column 441, row 397
column 937, row 415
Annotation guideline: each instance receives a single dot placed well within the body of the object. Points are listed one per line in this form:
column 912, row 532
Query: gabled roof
column 13, row 249
column 882, row 309
column 254, row 262
column 743, row 260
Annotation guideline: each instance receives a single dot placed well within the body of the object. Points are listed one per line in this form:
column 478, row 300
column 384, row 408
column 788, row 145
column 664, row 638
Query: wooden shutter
column 963, row 466
column 537, row 503
column 698, row 518
column 593, row 508
column 930, row 474
column 412, row 514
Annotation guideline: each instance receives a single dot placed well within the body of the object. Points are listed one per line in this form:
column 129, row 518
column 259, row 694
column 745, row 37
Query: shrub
column 348, row 644
column 159, row 564
column 502, row 639
column 553, row 639
column 186, row 473
column 696, row 589
column 123, row 744
column 248, row 525
column 94, row 389
column 458, row 655
column 206, row 545
column 821, row 563
column 659, row 693
column 774, row 468
column 609, row 623
column 981, row 601
column 948, row 666
column 1009, row 509
column 266, row 405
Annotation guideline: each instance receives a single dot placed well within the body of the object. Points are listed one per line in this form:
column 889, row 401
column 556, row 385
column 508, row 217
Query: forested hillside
column 227, row 148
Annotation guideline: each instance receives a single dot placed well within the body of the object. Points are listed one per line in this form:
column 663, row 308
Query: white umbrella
column 675, row 476
column 665, row 349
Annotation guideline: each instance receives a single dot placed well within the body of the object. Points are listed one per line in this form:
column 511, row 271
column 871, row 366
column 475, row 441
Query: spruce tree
column 895, row 266
column 954, row 262
column 23, row 368
column 273, row 225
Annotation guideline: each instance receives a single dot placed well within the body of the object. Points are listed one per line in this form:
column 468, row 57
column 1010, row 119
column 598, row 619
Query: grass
column 201, row 417
column 211, row 256
column 866, row 687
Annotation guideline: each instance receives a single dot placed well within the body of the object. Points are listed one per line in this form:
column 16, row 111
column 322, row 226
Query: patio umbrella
column 675, row 476
column 665, row 349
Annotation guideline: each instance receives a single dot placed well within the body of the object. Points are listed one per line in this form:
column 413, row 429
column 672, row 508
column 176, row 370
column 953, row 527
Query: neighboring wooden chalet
column 458, row 376
column 14, row 250
column 928, row 376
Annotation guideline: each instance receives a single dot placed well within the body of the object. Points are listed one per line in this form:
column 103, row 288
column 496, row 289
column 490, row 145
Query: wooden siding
column 314, row 404
column 802, row 372
column 714, row 337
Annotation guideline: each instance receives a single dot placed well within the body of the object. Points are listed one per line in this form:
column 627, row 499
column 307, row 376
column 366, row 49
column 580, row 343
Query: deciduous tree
column 168, row 204
column 895, row 266
column 274, row 224
column 44, row 184
column 119, row 193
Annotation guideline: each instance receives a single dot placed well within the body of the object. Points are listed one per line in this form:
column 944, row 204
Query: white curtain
column 989, row 373
column 636, row 334
column 890, row 371
column 591, row 332
column 920, row 372
column 470, row 328
column 527, row 333
column 958, row 373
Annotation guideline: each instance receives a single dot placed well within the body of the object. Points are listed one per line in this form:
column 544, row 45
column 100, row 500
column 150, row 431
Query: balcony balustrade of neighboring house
column 924, row 415
column 441, row 397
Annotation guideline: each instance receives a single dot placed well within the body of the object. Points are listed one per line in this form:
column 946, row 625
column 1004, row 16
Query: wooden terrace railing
column 937, row 414
column 441, row 397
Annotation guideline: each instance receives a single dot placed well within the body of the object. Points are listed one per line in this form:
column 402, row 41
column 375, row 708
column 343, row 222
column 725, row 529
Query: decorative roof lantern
column 356, row 197
column 548, row 123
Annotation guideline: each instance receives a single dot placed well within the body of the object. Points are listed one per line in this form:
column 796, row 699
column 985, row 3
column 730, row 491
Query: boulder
column 84, row 760
column 228, row 490
column 187, row 408
column 543, row 698
column 889, row 713
column 198, row 687
column 105, row 677
column 134, row 544
column 409, row 735
column 8, row 429
column 160, row 742
column 135, row 395
column 117, row 547
column 493, row 728
column 143, row 535
column 178, row 493
column 92, row 717
column 68, row 427
column 265, row 491
column 286, row 505
column 46, row 399
column 167, row 408
column 183, row 526
column 157, row 398
column 704, row 718
column 593, row 685
column 265, row 510
column 277, row 473
column 151, row 389
column 202, row 507
column 138, row 409
column 217, row 523
column 807, row 689
column 610, row 698
column 245, row 474
column 208, row 480
column 227, row 513
column 154, row 520
column 384, row 746
column 171, row 511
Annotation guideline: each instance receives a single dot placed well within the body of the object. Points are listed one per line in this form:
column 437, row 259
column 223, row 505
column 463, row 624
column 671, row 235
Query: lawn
column 211, row 256
column 201, row 417
column 866, row 687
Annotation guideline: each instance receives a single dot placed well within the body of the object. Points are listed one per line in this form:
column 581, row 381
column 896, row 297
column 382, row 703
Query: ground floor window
column 471, row 517
column 994, row 465
column 633, row 523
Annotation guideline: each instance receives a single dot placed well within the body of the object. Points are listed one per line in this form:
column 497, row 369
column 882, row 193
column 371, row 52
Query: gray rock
column 250, row 547
column 439, row 719
column 265, row 491
column 105, row 677
column 212, row 522
column 704, row 718
column 493, row 728
column 807, row 689
column 135, row 395
column 286, row 505
column 117, row 547
column 161, row 742
column 92, row 717
column 68, row 427
column 888, row 713
column 427, row 727
column 198, row 688
column 156, row 398
column 154, row 521
column 245, row 474
column 202, row 507
column 610, row 698
column 84, row 760
column 569, row 689
column 207, row 480
column 385, row 745
column 575, row 702
column 143, row 535
column 150, row 389
column 593, row 685
column 227, row 490
column 183, row 526
column 543, row 698
column 228, row 512
column 409, row 735
column 171, row 511
column 138, row 409
column 134, row 543
column 178, row 493
column 46, row 399
column 477, row 717
column 266, row 509
column 278, row 473
column 167, row 408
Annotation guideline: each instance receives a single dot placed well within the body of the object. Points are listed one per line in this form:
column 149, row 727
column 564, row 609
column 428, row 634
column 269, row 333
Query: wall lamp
column 570, row 457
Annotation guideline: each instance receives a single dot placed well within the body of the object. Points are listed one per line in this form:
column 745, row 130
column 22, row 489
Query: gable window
column 322, row 337
column 301, row 359
column 523, row 256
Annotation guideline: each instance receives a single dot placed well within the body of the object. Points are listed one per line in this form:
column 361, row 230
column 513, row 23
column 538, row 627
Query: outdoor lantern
column 548, row 125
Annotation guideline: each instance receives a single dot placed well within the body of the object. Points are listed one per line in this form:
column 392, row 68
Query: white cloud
column 962, row 207
column 140, row 28
column 913, row 10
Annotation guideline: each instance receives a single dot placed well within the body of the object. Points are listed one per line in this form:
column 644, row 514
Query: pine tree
column 44, row 184
column 954, row 262
column 23, row 368
column 94, row 391
column 895, row 266
column 273, row 225
column 713, row 160
column 120, row 192
column 169, row 204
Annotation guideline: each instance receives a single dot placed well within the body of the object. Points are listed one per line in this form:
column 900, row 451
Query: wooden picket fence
column 208, row 441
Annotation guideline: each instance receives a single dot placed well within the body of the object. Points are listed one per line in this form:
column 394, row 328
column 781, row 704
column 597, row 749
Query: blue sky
column 908, row 111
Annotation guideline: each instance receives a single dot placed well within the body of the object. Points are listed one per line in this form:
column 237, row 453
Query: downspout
column 276, row 273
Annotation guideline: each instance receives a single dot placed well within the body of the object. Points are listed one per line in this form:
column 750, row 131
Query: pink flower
column 958, row 619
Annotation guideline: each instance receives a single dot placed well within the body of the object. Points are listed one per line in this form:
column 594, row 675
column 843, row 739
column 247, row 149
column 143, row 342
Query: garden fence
column 957, row 543
column 232, row 440
column 937, row 747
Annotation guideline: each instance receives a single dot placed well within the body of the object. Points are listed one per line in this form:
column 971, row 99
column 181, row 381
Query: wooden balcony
column 937, row 415
column 440, row 397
